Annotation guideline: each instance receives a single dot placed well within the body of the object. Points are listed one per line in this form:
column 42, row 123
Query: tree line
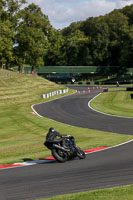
column 27, row 37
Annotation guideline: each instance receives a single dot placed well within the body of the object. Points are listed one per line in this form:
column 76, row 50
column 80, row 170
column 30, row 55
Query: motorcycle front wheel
column 80, row 153
column 59, row 155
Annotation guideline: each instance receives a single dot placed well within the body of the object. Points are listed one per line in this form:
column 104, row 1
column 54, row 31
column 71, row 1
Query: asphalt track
column 104, row 169
column 74, row 110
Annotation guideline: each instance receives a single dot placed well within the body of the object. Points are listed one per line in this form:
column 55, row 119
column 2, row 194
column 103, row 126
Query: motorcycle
column 66, row 149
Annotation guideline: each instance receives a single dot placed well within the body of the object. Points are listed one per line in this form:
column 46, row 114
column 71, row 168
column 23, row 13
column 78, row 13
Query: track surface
column 74, row 110
column 103, row 169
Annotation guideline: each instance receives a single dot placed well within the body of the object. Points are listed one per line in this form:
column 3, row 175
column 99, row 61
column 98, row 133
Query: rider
column 52, row 135
column 51, row 138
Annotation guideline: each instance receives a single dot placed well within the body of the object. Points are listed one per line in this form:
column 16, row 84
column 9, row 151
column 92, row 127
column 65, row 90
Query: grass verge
column 115, row 103
column 118, row 193
column 22, row 133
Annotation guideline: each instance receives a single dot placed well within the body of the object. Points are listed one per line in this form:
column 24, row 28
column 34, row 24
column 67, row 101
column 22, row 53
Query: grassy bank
column 22, row 133
column 118, row 193
column 115, row 103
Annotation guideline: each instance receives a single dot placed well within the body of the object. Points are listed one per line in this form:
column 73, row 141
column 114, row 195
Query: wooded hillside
column 27, row 37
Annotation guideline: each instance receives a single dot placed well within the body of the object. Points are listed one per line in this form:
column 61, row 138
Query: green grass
column 22, row 133
column 112, row 89
column 115, row 103
column 118, row 193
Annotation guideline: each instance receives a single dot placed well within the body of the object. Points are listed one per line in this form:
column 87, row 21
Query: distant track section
column 74, row 110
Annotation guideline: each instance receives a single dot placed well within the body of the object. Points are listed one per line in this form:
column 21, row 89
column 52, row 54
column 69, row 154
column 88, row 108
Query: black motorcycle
column 66, row 149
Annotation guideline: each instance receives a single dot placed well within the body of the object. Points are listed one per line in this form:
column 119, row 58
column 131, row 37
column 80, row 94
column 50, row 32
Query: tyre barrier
column 51, row 94
column 105, row 89
column 129, row 88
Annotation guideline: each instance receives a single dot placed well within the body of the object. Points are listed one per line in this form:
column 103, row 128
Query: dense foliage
column 109, row 39
column 27, row 37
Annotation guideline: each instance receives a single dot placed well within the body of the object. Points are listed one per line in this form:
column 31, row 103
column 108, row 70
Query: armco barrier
column 51, row 94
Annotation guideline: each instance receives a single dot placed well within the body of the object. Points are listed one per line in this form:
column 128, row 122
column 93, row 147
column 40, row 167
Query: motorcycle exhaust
column 59, row 147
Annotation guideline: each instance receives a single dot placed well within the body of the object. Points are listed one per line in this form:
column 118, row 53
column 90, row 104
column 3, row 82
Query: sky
column 62, row 13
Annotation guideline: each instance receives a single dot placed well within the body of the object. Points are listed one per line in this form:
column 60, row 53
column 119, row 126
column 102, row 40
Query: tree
column 128, row 11
column 117, row 23
column 31, row 37
column 75, row 45
column 126, row 53
column 9, row 10
column 55, row 54
column 6, row 43
column 97, row 30
column 8, row 20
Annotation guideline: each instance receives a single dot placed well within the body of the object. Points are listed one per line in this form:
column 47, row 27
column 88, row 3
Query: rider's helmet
column 52, row 130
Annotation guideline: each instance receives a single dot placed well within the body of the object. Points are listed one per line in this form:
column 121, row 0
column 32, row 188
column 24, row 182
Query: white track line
column 113, row 146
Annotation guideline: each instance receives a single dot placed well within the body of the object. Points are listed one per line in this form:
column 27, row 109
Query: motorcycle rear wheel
column 59, row 155
column 80, row 153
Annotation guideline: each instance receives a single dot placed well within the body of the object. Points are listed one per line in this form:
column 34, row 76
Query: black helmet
column 52, row 130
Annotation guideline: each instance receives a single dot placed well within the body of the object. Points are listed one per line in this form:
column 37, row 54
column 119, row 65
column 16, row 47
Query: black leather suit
column 51, row 137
